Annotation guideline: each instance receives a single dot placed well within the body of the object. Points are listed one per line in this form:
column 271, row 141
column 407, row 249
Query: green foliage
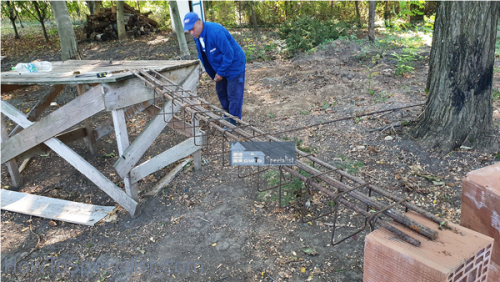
column 306, row 33
column 348, row 165
column 405, row 60
column 298, row 145
column 496, row 94
column 289, row 192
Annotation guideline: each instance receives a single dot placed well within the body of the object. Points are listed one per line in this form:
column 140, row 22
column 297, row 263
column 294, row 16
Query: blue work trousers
column 230, row 94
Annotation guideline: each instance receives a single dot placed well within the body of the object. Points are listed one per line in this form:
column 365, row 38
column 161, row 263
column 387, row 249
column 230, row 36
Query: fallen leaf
column 310, row 251
column 214, row 244
column 52, row 223
column 303, row 269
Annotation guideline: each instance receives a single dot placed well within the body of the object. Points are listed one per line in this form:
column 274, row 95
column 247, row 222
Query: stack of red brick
column 481, row 209
column 465, row 253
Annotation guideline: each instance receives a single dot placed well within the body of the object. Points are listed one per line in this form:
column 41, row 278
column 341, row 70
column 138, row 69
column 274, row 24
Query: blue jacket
column 223, row 55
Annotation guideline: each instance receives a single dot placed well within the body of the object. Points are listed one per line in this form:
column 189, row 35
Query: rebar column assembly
column 347, row 193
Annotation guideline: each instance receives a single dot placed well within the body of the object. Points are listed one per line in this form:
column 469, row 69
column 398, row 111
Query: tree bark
column 459, row 108
column 181, row 38
column 371, row 21
column 120, row 21
column 69, row 48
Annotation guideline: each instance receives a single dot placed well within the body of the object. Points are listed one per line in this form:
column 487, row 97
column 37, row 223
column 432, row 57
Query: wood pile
column 101, row 26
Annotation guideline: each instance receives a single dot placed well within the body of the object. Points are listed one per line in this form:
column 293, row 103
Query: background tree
column 69, row 48
column 120, row 21
column 39, row 10
column 357, row 13
column 179, row 28
column 9, row 9
column 254, row 18
column 459, row 108
column 371, row 22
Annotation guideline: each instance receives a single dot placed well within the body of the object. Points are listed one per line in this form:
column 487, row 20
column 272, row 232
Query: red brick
column 481, row 204
column 459, row 254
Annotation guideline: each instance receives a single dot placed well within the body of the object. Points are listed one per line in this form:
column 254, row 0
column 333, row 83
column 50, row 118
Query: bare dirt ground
column 214, row 217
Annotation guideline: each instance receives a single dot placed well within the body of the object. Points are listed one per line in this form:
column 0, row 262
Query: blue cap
column 189, row 20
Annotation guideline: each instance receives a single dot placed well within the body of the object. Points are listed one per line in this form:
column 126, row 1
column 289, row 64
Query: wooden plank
column 66, row 138
column 89, row 139
column 126, row 93
column 135, row 151
column 78, row 162
column 160, row 161
column 167, row 178
column 12, row 167
column 24, row 164
column 62, row 72
column 123, row 143
column 51, row 208
column 63, row 118
column 6, row 88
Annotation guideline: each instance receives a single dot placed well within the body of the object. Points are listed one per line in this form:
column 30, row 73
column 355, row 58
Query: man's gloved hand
column 218, row 78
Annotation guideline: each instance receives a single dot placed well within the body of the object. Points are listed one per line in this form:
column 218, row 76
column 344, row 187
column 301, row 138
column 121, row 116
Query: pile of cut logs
column 101, row 26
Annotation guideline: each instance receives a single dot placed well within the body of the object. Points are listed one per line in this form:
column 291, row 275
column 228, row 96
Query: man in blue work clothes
column 223, row 59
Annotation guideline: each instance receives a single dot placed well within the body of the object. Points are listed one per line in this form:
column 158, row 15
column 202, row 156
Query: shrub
column 306, row 33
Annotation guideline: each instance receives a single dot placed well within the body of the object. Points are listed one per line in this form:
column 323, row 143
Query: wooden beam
column 12, row 167
column 89, row 139
column 167, row 178
column 11, row 87
column 135, row 151
column 66, row 138
column 160, row 161
column 51, row 208
column 41, row 105
column 123, row 143
column 132, row 91
column 76, row 161
column 63, row 118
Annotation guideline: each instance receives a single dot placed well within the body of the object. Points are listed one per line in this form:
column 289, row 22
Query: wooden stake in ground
column 120, row 22
column 181, row 38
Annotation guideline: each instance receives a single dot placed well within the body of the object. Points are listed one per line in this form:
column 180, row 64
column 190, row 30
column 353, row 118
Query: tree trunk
column 91, row 5
column 254, row 19
column 137, row 6
column 239, row 10
column 371, row 21
column 41, row 19
column 331, row 8
column 181, row 38
column 387, row 14
column 19, row 18
column 12, row 16
column 120, row 21
column 69, row 48
column 459, row 108
column 357, row 13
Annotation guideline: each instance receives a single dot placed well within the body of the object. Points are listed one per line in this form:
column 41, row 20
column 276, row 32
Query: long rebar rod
column 194, row 107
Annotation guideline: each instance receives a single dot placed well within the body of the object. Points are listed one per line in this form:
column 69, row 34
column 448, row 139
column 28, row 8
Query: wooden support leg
column 89, row 139
column 196, row 131
column 12, row 164
column 41, row 105
column 123, row 143
column 197, row 154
